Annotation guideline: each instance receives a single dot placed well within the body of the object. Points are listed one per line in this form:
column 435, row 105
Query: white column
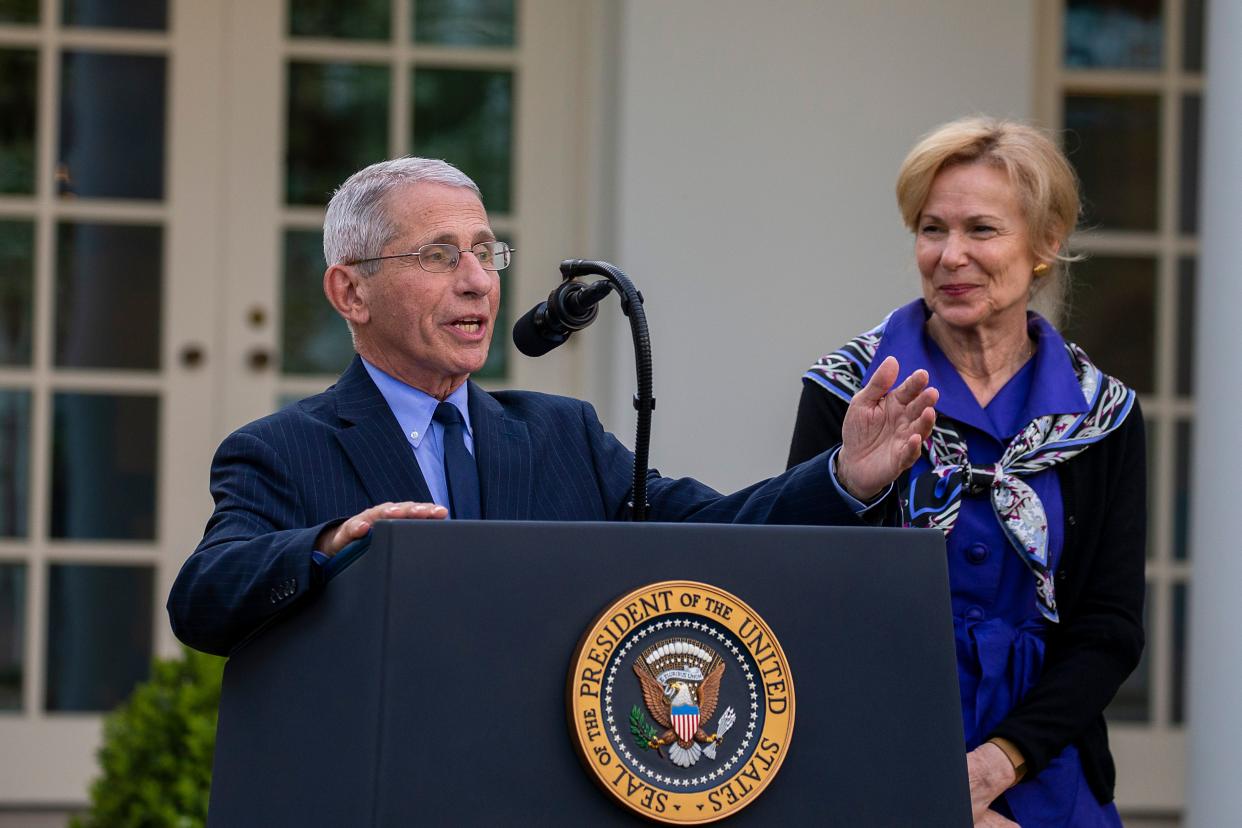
column 1214, row 717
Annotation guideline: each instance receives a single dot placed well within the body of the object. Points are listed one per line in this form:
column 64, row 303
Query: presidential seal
column 680, row 702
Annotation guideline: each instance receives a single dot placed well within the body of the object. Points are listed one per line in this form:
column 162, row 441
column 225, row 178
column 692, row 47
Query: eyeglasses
column 444, row 258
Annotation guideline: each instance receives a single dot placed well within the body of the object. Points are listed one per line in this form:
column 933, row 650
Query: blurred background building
column 163, row 170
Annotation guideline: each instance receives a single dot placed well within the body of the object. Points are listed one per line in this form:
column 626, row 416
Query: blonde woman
column 1035, row 470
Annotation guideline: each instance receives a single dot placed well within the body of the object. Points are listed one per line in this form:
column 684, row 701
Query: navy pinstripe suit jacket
column 281, row 480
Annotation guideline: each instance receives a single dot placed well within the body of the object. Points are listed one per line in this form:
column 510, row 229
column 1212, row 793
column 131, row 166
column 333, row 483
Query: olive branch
column 644, row 732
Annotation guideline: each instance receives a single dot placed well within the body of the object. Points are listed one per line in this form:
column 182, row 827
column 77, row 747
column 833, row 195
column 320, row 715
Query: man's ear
column 342, row 284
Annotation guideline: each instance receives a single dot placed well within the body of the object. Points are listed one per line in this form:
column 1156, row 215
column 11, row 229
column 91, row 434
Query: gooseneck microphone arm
column 571, row 307
column 644, row 400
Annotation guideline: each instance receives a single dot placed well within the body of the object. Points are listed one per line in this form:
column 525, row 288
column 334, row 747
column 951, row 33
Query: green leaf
column 644, row 732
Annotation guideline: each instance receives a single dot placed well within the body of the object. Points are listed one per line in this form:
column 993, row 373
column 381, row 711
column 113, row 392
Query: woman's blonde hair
column 1045, row 182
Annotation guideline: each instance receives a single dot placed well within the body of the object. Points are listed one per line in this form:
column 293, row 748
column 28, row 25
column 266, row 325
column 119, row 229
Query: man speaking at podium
column 413, row 270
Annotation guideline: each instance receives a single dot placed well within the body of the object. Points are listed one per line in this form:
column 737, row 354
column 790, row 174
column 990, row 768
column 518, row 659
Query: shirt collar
column 1060, row 392
column 905, row 337
column 413, row 408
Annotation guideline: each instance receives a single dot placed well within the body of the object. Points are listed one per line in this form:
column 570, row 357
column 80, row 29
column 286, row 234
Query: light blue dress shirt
column 413, row 410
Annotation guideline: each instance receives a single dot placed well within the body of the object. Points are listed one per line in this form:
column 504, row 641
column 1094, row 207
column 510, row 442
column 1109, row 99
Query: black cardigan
column 1100, row 589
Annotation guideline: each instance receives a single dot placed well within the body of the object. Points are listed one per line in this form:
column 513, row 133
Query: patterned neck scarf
column 936, row 496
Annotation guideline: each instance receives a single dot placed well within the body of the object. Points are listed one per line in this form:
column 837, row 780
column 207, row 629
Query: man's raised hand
column 884, row 430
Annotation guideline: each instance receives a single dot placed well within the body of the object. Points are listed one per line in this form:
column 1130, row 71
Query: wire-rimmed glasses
column 444, row 258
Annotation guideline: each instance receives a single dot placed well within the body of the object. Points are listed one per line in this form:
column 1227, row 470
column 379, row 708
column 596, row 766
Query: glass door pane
column 106, row 244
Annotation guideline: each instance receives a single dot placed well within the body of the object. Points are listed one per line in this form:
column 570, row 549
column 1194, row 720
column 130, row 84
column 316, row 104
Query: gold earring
column 1040, row 269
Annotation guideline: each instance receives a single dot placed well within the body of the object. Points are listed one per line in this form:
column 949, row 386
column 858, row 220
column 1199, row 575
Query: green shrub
column 157, row 749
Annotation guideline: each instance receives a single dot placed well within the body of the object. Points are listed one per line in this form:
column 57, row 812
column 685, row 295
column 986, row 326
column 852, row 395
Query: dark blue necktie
column 459, row 468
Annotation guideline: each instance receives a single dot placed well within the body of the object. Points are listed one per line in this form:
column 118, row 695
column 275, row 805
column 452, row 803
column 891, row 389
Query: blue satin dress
column 999, row 631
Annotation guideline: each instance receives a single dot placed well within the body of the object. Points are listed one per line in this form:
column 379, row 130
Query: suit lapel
column 373, row 442
column 503, row 454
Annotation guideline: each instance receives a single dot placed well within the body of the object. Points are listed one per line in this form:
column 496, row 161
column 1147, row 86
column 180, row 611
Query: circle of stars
column 624, row 749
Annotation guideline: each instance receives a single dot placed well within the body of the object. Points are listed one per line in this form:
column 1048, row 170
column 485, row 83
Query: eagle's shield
column 685, row 721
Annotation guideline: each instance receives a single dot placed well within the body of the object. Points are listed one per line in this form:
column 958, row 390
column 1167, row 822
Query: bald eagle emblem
column 680, row 680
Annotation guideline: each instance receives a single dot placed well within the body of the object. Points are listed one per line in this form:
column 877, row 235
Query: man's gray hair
column 357, row 224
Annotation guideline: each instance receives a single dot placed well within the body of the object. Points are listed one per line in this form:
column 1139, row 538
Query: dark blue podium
column 426, row 684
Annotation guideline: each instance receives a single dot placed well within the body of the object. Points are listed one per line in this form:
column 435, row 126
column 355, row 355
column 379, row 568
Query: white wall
column 756, row 151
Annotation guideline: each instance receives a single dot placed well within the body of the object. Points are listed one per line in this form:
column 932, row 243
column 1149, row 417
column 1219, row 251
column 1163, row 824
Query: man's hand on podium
column 335, row 538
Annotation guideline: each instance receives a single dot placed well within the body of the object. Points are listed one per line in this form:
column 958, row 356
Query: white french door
column 163, row 169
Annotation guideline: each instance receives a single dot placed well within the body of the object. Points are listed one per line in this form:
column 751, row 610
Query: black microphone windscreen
column 529, row 339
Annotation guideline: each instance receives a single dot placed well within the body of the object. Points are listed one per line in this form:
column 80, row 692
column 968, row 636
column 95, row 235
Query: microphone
column 571, row 306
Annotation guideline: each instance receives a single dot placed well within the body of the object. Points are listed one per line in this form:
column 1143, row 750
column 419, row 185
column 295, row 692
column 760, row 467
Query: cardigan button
column 975, row 613
column 1071, row 520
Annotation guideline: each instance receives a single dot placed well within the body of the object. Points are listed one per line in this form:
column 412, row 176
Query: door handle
column 192, row 355
column 259, row 359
